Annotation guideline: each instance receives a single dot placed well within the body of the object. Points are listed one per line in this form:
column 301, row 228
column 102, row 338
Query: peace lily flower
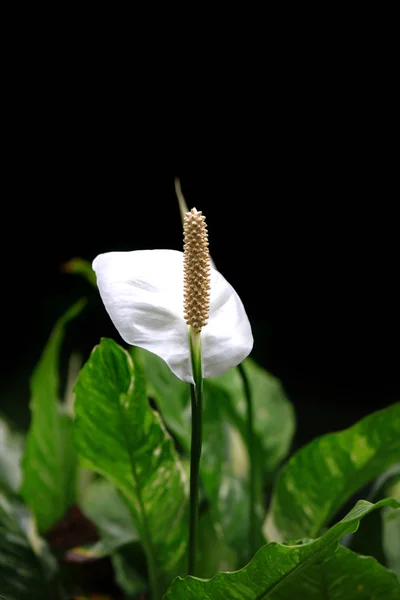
column 179, row 307
column 152, row 296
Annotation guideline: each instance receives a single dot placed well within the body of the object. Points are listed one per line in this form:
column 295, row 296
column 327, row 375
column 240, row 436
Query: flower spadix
column 153, row 296
column 196, row 266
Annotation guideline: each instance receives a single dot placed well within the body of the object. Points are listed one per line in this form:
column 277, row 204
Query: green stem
column 250, row 435
column 194, row 482
column 195, row 448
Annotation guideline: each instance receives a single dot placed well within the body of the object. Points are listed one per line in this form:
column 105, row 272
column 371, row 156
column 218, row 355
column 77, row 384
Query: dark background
column 299, row 185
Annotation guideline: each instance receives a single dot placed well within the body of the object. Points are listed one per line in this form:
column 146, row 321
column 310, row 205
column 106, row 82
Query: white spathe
column 143, row 294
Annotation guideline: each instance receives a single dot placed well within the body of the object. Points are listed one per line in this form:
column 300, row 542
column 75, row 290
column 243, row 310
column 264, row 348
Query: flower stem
column 195, row 448
column 250, row 436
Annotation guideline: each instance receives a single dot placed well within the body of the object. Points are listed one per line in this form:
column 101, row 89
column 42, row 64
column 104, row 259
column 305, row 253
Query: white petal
column 227, row 339
column 143, row 294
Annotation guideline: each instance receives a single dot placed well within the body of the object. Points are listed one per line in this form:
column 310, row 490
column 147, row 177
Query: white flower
column 143, row 294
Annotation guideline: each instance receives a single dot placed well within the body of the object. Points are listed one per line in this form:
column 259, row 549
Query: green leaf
column 391, row 532
column 213, row 552
column 127, row 572
column 224, row 471
column 368, row 539
column 11, row 448
column 343, row 576
column 49, row 461
column 274, row 415
column 318, row 480
column 171, row 395
column 391, row 539
column 27, row 568
column 106, row 508
column 118, row 435
column 103, row 505
column 274, row 566
column 225, row 462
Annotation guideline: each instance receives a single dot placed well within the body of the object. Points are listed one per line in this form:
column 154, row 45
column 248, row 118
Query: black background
column 298, row 179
